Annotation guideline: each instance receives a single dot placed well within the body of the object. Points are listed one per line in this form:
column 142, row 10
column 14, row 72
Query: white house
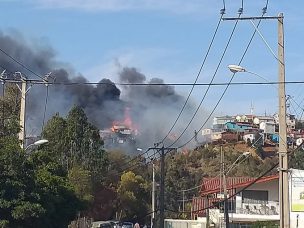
column 249, row 136
column 259, row 202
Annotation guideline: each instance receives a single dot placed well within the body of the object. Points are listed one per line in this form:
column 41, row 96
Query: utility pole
column 183, row 201
column 283, row 156
column 162, row 184
column 24, row 82
column 22, row 112
column 153, row 195
column 162, row 189
column 2, row 76
column 226, row 205
column 226, row 213
column 207, row 213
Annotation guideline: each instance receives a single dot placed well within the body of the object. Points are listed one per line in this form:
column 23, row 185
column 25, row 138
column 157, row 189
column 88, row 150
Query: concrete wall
column 179, row 223
column 272, row 187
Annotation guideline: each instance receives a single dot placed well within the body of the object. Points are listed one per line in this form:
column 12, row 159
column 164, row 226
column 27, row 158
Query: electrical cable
column 197, row 77
column 291, row 106
column 251, row 183
column 21, row 64
column 213, row 77
column 35, row 82
column 134, row 166
column 199, row 186
column 225, row 90
column 297, row 104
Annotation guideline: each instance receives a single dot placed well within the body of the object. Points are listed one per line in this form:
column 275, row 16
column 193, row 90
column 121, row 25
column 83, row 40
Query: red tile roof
column 212, row 185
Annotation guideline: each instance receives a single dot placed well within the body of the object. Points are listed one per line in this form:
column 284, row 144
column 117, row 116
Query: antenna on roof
column 251, row 108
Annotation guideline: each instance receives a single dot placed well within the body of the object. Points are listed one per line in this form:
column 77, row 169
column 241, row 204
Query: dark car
column 127, row 225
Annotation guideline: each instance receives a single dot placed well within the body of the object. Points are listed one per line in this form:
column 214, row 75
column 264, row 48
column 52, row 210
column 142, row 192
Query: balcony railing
column 261, row 208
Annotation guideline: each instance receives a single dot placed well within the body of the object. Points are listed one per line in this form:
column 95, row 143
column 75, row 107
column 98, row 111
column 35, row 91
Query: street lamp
column 153, row 190
column 244, row 154
column 283, row 156
column 162, row 180
column 37, row 143
column 239, row 69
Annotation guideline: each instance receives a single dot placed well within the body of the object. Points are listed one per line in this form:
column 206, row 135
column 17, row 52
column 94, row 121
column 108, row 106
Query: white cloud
column 178, row 6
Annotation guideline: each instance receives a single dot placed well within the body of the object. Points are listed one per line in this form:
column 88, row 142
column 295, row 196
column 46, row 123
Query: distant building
column 290, row 121
column 238, row 127
column 220, row 121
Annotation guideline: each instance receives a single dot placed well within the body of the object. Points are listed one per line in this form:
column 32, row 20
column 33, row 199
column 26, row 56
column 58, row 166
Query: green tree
column 133, row 193
column 81, row 180
column 35, row 191
column 118, row 161
column 57, row 195
column 9, row 110
column 76, row 142
column 18, row 203
column 77, row 146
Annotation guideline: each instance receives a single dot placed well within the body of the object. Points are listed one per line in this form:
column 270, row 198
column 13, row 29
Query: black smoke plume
column 153, row 108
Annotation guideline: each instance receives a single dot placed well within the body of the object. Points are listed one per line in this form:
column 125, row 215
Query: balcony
column 259, row 208
column 248, row 212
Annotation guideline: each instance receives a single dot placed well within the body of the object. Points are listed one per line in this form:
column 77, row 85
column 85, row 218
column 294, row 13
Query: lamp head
column 40, row 142
column 236, row 68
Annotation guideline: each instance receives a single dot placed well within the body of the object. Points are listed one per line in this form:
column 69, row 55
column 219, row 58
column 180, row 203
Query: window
column 255, row 196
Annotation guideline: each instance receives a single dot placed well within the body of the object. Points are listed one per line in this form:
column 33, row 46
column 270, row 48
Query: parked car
column 116, row 224
column 102, row 224
column 127, row 225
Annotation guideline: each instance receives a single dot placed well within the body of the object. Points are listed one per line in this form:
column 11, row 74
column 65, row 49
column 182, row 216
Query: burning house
column 122, row 134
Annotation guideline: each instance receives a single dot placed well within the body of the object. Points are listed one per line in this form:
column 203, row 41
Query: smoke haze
column 153, row 108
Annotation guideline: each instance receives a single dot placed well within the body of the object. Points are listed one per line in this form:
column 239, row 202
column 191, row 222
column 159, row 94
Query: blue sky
column 165, row 39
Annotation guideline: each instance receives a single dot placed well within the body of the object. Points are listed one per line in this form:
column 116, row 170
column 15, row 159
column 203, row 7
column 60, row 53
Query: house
column 290, row 121
column 220, row 121
column 238, row 126
column 249, row 137
column 259, row 202
column 267, row 127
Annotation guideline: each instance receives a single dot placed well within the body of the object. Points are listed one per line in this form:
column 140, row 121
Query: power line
column 207, row 90
column 197, row 77
column 251, row 183
column 38, row 82
column 225, row 90
column 21, row 64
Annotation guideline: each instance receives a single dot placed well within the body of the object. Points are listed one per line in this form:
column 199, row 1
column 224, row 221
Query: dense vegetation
column 73, row 176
